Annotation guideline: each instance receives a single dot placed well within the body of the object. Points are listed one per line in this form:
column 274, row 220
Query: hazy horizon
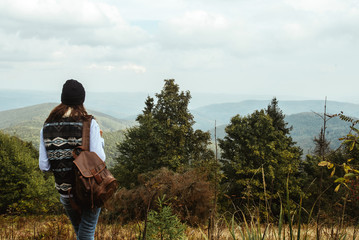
column 132, row 103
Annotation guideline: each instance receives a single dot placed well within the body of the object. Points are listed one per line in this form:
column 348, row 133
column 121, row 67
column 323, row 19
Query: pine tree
column 164, row 138
column 164, row 224
column 259, row 145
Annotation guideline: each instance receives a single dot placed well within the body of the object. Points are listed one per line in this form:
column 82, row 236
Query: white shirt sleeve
column 44, row 164
column 96, row 141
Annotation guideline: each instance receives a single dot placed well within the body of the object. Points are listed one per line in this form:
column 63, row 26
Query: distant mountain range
column 222, row 113
column 27, row 121
column 122, row 105
column 37, row 114
column 127, row 105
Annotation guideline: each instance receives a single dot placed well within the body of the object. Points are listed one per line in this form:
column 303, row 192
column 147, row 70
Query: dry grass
column 14, row 227
column 59, row 227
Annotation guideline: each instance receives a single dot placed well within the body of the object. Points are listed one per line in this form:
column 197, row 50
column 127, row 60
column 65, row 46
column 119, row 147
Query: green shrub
column 163, row 224
column 23, row 187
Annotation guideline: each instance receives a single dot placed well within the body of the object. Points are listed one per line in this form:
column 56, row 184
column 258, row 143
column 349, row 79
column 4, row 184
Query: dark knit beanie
column 73, row 93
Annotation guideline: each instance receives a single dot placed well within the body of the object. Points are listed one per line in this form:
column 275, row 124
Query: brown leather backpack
column 94, row 183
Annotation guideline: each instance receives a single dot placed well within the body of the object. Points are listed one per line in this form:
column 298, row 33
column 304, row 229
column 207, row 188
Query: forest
column 176, row 182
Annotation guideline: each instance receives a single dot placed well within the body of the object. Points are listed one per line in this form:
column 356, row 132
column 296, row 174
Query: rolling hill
column 37, row 114
column 222, row 113
column 26, row 123
column 118, row 104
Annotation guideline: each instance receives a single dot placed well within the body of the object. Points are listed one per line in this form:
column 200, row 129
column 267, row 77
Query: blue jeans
column 84, row 225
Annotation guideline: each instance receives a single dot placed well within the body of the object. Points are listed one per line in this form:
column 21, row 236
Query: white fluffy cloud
column 82, row 22
column 266, row 47
column 322, row 6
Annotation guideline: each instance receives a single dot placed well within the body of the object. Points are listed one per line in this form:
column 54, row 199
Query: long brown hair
column 77, row 113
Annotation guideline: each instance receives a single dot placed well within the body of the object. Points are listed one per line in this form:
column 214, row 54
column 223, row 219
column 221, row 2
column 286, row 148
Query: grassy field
column 59, row 227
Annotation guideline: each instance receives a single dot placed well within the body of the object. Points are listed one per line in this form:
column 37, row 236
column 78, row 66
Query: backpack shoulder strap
column 86, row 133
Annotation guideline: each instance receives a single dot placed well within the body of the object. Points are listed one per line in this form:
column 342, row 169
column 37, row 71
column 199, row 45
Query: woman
column 61, row 133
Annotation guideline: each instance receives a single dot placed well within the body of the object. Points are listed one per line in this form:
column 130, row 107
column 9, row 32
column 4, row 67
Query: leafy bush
column 191, row 196
column 23, row 188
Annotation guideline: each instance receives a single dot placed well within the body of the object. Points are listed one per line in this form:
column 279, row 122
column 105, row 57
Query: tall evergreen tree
column 164, row 138
column 258, row 145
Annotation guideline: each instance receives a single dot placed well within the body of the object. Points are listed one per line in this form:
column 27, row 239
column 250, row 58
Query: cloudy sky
column 298, row 48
